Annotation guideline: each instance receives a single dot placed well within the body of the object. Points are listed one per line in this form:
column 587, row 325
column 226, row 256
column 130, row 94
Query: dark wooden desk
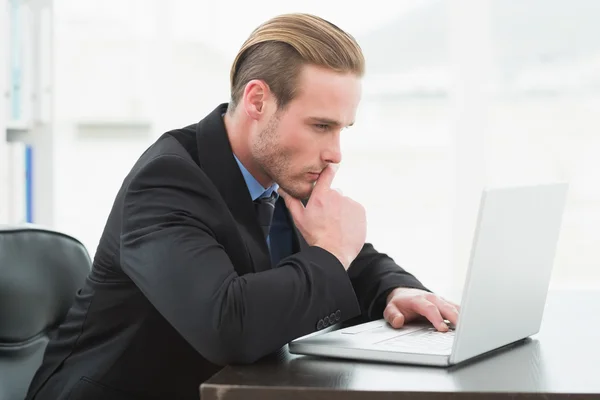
column 562, row 361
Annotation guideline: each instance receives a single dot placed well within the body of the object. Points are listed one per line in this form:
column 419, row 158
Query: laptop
column 504, row 295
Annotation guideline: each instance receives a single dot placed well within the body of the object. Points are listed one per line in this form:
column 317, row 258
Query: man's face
column 298, row 142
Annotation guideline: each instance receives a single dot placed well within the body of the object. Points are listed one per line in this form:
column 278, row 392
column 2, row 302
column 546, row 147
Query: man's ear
column 255, row 96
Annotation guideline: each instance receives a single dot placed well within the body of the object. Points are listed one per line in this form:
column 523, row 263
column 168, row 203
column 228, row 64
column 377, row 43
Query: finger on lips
column 325, row 178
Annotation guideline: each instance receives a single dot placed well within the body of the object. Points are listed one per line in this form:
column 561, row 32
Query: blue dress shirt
column 279, row 239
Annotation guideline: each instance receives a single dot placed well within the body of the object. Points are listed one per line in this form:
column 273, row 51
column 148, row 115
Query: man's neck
column 237, row 132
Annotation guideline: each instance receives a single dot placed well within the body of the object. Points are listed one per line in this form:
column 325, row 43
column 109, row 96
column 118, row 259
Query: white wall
column 555, row 138
column 112, row 72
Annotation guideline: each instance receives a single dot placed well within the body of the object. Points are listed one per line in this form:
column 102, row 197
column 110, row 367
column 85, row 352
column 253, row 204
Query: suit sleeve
column 374, row 275
column 171, row 253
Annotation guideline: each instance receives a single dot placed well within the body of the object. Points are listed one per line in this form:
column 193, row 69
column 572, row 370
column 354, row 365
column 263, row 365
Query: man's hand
column 330, row 220
column 407, row 304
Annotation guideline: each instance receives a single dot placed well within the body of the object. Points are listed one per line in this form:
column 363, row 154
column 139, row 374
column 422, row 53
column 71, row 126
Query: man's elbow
column 225, row 349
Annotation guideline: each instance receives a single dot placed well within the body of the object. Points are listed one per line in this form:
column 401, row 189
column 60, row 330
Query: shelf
column 113, row 128
column 17, row 131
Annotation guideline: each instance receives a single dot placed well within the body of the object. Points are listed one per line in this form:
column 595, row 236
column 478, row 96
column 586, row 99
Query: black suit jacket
column 182, row 283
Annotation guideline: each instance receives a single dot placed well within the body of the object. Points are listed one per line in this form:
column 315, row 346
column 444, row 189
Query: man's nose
column 333, row 153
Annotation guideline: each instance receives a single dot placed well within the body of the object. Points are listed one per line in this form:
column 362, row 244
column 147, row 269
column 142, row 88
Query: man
column 226, row 241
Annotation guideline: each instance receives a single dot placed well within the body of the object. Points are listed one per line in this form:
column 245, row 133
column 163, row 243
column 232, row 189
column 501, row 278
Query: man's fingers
column 325, row 179
column 453, row 304
column 393, row 316
column 295, row 206
column 447, row 309
column 430, row 311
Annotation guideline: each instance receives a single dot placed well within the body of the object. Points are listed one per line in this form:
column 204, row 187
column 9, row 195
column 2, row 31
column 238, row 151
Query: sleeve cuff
column 340, row 292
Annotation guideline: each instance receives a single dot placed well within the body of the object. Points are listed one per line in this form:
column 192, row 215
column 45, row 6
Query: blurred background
column 459, row 95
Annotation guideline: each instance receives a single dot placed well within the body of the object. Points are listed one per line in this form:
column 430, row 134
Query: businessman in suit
column 226, row 240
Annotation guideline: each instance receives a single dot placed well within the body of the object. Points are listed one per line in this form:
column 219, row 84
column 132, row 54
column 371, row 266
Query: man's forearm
column 374, row 276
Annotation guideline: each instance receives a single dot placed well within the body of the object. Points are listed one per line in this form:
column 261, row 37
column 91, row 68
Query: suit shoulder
column 178, row 143
column 174, row 151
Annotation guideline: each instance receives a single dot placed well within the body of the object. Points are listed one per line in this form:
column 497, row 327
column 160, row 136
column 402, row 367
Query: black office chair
column 40, row 273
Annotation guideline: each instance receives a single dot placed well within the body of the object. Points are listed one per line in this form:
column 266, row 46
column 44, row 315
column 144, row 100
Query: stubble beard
column 275, row 161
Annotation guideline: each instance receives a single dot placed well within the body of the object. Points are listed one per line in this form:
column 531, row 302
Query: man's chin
column 300, row 192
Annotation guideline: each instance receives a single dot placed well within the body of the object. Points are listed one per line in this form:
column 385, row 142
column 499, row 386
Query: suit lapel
column 216, row 159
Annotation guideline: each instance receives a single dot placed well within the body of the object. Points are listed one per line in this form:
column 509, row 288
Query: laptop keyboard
column 427, row 340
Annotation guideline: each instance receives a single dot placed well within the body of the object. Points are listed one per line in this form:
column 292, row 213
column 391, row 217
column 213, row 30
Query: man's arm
column 170, row 252
column 374, row 275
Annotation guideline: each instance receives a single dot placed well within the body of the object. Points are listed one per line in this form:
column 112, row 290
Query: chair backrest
column 41, row 270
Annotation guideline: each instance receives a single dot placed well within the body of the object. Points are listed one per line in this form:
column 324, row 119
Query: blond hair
column 277, row 49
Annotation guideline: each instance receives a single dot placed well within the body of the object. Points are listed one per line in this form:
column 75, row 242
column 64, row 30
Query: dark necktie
column 265, row 206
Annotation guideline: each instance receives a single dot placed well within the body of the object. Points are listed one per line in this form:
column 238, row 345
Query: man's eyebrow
column 328, row 121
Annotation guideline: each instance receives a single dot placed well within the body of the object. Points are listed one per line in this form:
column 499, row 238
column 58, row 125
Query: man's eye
column 322, row 127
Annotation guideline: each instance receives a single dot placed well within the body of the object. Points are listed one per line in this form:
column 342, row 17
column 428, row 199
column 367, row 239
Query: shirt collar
column 254, row 187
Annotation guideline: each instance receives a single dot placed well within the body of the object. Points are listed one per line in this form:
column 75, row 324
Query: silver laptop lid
column 510, row 267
